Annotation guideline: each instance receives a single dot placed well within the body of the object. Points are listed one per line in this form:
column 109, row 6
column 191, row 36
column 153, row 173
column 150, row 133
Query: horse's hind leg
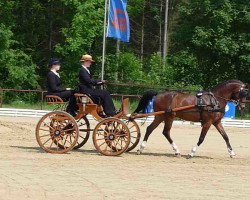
column 166, row 133
column 150, row 128
column 205, row 128
column 223, row 133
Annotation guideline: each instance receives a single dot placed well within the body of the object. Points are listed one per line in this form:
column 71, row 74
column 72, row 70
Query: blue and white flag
column 118, row 22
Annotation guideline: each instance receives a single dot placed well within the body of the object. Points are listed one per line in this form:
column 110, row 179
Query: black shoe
column 68, row 126
column 117, row 112
column 73, row 114
column 103, row 115
column 114, row 114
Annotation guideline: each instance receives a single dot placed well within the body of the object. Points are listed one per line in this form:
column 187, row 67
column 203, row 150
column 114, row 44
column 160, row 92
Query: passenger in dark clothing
column 87, row 83
column 54, row 87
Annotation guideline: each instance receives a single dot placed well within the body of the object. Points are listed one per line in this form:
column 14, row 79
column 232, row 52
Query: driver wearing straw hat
column 87, row 83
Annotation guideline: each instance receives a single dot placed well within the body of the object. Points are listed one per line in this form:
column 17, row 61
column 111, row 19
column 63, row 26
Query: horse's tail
column 146, row 98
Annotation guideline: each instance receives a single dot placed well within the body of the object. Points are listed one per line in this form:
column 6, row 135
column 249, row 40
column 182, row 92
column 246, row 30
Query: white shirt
column 86, row 69
column 56, row 73
column 100, row 82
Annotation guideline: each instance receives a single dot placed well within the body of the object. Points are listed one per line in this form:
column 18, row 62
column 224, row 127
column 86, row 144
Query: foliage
column 17, row 70
column 157, row 73
column 216, row 35
column 209, row 42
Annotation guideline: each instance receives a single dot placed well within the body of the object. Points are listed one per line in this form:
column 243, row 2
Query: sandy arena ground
column 26, row 172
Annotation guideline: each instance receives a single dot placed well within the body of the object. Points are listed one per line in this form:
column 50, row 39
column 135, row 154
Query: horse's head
column 239, row 95
column 232, row 90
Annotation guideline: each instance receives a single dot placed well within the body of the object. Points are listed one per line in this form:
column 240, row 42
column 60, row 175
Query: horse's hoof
column 189, row 156
column 138, row 152
column 178, row 155
column 232, row 156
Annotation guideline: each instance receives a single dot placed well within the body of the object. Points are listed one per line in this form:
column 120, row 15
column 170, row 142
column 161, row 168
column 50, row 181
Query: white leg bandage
column 143, row 145
column 193, row 151
column 175, row 148
column 231, row 152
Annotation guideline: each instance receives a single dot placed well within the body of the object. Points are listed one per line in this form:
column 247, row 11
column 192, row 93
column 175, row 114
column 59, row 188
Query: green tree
column 216, row 35
column 16, row 68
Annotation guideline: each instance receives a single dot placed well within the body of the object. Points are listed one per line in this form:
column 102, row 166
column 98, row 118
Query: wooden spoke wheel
column 84, row 131
column 111, row 137
column 135, row 134
column 57, row 132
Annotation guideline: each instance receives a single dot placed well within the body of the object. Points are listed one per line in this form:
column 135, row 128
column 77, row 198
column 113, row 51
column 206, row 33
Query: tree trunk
column 160, row 32
column 142, row 31
column 50, row 28
column 165, row 48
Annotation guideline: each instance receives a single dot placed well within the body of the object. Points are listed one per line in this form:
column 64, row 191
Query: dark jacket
column 86, row 81
column 54, row 83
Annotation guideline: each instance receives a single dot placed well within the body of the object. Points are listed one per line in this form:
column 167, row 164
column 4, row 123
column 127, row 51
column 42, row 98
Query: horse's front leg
column 150, row 129
column 203, row 134
column 223, row 133
column 166, row 133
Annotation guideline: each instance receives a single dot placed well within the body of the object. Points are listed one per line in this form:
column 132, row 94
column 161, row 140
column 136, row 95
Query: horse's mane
column 226, row 82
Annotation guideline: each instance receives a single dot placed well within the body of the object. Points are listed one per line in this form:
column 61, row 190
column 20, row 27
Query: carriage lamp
column 84, row 101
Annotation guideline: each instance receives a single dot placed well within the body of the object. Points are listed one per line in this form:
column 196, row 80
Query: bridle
column 242, row 93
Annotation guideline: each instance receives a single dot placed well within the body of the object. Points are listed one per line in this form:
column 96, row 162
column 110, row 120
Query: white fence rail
column 10, row 112
column 22, row 112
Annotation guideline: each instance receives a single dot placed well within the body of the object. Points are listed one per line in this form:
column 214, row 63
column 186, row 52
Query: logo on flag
column 118, row 22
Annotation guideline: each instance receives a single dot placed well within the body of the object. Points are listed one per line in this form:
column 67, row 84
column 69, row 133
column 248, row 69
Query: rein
column 236, row 102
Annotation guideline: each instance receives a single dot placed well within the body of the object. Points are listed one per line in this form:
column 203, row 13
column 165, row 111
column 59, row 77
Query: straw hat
column 86, row 58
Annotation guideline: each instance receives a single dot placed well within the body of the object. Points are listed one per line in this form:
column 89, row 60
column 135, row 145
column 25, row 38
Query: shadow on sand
column 170, row 155
column 37, row 149
column 40, row 150
column 94, row 152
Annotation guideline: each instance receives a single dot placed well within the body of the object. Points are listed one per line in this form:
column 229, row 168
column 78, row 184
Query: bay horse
column 210, row 111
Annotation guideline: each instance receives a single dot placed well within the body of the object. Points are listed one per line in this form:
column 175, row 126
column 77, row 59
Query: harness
column 213, row 104
column 243, row 92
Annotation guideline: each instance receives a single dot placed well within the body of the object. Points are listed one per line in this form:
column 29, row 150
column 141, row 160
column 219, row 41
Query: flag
column 118, row 21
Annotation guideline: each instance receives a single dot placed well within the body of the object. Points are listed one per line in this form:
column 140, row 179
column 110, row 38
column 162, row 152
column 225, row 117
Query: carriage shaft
column 136, row 116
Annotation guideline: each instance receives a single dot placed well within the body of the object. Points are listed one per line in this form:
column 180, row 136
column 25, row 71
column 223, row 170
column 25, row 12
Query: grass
column 27, row 105
column 37, row 106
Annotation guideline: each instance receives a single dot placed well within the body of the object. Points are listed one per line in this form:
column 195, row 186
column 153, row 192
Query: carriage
column 59, row 132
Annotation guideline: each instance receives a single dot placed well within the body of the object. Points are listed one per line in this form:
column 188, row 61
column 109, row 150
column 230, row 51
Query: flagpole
column 104, row 37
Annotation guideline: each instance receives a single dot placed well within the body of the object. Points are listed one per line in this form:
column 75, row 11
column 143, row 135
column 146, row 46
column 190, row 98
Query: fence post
column 42, row 93
column 1, row 98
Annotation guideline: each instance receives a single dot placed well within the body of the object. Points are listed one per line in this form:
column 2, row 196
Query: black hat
column 54, row 61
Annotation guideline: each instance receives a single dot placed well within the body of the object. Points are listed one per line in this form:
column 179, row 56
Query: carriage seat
column 91, row 99
column 53, row 100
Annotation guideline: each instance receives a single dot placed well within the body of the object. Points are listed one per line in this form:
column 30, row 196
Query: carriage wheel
column 135, row 134
column 111, row 137
column 84, row 131
column 57, row 132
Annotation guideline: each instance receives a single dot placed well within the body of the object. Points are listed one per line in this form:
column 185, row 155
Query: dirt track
column 26, row 172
